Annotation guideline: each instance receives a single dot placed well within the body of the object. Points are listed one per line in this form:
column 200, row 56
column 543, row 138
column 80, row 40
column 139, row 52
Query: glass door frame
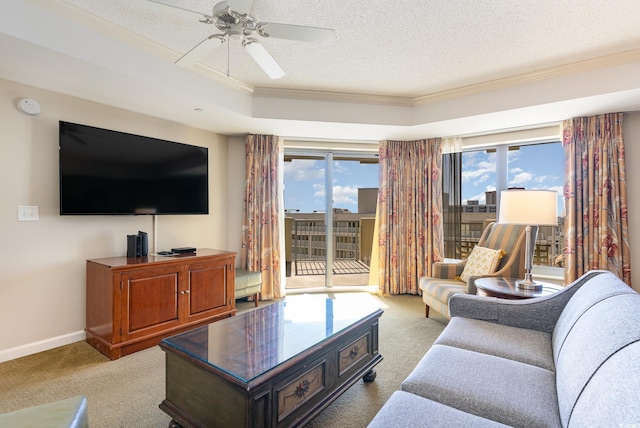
column 328, row 156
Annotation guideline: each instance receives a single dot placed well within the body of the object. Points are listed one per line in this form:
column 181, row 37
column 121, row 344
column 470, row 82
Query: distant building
column 490, row 197
column 367, row 200
column 474, row 212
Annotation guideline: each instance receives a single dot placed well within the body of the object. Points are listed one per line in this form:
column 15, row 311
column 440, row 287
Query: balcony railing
column 307, row 241
column 549, row 242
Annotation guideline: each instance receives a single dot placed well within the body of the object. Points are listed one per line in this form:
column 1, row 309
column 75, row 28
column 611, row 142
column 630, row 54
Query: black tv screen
column 104, row 172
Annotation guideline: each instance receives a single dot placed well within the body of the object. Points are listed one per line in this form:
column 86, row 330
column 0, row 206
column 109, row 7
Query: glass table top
column 250, row 344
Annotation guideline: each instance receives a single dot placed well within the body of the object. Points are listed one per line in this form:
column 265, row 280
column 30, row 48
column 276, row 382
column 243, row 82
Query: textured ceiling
column 408, row 48
column 397, row 70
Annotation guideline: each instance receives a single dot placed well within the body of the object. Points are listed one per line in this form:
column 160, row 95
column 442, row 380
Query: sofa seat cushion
column 436, row 292
column 518, row 344
column 405, row 410
column 507, row 391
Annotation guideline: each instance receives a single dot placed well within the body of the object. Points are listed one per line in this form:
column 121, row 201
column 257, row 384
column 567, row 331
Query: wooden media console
column 132, row 303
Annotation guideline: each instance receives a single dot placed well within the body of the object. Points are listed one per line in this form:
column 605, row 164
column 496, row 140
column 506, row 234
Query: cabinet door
column 208, row 292
column 150, row 301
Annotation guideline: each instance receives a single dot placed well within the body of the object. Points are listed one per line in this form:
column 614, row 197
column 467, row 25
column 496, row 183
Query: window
column 486, row 172
column 541, row 166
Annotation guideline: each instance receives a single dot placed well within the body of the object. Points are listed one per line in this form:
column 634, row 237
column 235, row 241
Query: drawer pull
column 353, row 354
column 302, row 389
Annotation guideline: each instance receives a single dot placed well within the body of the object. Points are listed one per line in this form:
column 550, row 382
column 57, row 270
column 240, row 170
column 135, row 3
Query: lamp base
column 528, row 283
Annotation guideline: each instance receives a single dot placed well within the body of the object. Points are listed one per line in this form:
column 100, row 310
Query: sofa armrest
column 540, row 313
column 446, row 270
column 71, row 412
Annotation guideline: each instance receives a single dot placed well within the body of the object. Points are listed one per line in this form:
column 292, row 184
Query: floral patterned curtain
column 596, row 223
column 260, row 225
column 410, row 236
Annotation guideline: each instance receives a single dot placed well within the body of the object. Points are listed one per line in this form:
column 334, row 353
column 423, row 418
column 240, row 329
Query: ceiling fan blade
column 240, row 6
column 297, row 32
column 156, row 6
column 200, row 50
column 264, row 60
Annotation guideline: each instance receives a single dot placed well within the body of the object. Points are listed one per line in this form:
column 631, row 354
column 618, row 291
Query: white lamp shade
column 531, row 207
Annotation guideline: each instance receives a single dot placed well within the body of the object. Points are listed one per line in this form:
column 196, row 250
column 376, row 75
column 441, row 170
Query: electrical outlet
column 28, row 213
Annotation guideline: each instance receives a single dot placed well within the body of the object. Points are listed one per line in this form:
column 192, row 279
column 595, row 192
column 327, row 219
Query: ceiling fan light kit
column 232, row 19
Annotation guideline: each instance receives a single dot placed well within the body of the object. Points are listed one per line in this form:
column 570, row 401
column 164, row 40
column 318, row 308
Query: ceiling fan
column 232, row 19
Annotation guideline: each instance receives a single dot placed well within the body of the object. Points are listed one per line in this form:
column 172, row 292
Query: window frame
column 545, row 272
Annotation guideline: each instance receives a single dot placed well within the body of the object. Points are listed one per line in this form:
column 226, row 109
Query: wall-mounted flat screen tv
column 105, row 172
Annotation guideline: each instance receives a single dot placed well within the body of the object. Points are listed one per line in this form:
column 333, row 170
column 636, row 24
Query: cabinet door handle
column 187, row 291
column 184, row 292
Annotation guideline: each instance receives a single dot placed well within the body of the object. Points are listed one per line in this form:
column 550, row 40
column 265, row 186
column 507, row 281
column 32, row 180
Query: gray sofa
column 571, row 359
column 69, row 413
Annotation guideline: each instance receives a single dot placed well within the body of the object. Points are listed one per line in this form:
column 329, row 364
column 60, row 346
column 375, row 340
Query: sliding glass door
column 330, row 201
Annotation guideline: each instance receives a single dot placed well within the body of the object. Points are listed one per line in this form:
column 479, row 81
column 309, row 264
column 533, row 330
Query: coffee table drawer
column 300, row 390
column 353, row 353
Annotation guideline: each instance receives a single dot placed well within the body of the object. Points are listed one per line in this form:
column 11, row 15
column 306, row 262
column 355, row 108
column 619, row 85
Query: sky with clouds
column 304, row 184
column 538, row 166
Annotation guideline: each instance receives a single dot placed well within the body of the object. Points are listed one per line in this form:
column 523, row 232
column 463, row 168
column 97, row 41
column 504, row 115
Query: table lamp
column 531, row 208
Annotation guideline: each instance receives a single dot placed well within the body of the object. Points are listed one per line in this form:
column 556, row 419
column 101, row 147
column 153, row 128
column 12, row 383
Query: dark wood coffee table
column 275, row 366
column 506, row 288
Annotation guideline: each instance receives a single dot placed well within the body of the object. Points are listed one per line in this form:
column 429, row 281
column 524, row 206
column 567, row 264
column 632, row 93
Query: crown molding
column 127, row 37
column 535, row 76
column 341, row 97
column 512, row 81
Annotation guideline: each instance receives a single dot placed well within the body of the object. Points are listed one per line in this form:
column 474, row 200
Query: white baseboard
column 43, row 345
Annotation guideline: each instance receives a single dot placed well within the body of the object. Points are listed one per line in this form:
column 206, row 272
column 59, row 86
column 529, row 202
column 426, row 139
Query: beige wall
column 42, row 280
column 236, row 177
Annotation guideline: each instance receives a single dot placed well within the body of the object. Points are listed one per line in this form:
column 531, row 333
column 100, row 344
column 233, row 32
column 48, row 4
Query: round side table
column 505, row 288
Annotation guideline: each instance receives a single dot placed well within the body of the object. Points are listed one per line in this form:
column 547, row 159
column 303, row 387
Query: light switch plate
column 28, row 213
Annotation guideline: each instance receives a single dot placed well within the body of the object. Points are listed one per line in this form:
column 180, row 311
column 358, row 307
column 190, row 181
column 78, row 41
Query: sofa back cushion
column 594, row 290
column 610, row 398
column 601, row 320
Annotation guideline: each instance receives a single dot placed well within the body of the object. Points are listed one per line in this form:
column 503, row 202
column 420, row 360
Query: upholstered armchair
column 445, row 282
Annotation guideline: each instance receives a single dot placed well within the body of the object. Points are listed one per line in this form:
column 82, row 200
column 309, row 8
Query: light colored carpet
column 126, row 392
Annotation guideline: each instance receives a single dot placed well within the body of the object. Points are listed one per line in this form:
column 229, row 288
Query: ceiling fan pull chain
column 228, row 57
